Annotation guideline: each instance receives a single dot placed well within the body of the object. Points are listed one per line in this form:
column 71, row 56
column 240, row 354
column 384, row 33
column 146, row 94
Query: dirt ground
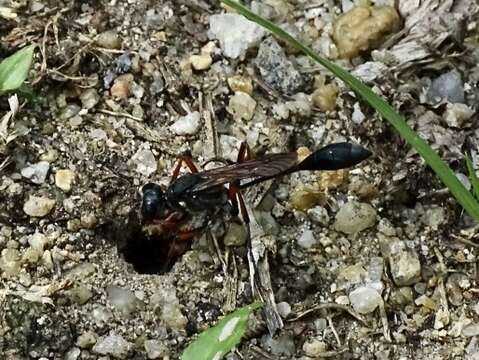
column 378, row 262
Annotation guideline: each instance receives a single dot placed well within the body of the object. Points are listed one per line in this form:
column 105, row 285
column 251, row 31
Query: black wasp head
column 153, row 201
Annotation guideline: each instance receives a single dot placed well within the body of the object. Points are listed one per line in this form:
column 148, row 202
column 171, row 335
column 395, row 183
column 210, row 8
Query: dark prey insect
column 177, row 214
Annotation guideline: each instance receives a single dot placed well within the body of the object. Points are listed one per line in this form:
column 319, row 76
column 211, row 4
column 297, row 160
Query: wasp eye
column 153, row 200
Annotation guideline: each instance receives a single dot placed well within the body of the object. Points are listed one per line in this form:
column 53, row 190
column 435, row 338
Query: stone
column 307, row 239
column 122, row 300
column 314, row 348
column 363, row 28
column 72, row 354
column 38, row 206
column 69, row 111
column 319, row 215
column 145, row 162
column 235, row 33
column 447, row 87
column 80, row 294
column 187, row 125
column 354, row 217
column 241, row 83
column 200, row 62
column 324, row 98
column 236, row 234
column 155, row 349
column 241, row 106
column 113, row 345
column 167, row 304
column 122, row 86
column 64, row 179
column 280, row 345
column 37, row 241
column 277, row 70
column 86, row 340
column 284, row 309
column 109, row 40
column 10, row 262
column 305, row 199
column 36, row 173
column 405, row 267
column 457, row 115
column 364, row 300
column 89, row 98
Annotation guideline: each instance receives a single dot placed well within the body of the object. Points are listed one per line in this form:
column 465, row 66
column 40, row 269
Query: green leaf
column 442, row 170
column 218, row 341
column 473, row 177
column 15, row 68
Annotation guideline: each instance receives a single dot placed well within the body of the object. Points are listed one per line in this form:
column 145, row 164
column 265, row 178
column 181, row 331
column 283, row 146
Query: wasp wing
column 255, row 170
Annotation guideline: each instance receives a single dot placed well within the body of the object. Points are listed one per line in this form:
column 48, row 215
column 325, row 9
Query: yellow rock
column 305, row 199
column 241, row 83
column 121, row 86
column 325, row 97
column 201, row 62
column 363, row 28
column 64, row 179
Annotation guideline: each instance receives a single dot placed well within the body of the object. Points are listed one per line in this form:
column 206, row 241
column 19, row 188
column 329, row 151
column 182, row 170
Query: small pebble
column 88, row 220
column 307, row 239
column 319, row 215
column 241, row 83
column 64, row 179
column 109, row 40
column 405, row 267
column 242, row 106
column 38, row 206
column 80, row 294
column 37, row 241
column 314, row 348
column 89, row 98
column 284, row 309
column 470, row 330
column 72, row 354
column 122, row 86
column 113, row 345
column 236, row 235
column 69, row 111
column 168, row 305
column 277, row 70
column 86, row 340
column 448, row 87
column 155, row 349
column 235, row 33
column 364, row 299
column 200, row 62
column 145, row 162
column 457, row 115
column 187, row 125
column 324, row 98
column 354, row 217
column 363, row 28
column 36, row 173
column 123, row 300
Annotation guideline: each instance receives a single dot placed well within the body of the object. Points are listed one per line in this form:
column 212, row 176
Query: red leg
column 188, row 161
column 244, row 153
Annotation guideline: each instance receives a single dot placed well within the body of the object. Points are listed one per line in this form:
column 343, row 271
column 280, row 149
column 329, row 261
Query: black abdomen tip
column 335, row 156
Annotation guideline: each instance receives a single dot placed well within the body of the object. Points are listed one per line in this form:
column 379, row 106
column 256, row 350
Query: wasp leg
column 188, row 161
column 244, row 152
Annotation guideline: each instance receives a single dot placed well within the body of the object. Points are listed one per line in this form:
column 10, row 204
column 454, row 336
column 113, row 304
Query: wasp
column 175, row 215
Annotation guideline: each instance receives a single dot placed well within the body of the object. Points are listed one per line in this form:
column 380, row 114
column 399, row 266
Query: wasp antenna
column 334, row 157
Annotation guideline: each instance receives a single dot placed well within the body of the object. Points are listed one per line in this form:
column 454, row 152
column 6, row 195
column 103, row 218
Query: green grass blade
column 15, row 68
column 217, row 341
column 473, row 177
column 382, row 107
